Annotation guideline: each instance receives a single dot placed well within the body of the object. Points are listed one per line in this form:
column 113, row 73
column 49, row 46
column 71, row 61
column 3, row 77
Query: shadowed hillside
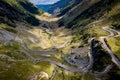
column 20, row 11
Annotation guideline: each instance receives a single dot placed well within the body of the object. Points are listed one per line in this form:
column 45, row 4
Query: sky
column 43, row 1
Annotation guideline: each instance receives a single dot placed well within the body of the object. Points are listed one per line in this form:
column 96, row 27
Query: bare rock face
column 42, row 75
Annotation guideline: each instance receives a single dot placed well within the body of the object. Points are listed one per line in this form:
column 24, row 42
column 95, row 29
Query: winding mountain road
column 36, row 60
column 106, row 47
column 90, row 55
column 70, row 68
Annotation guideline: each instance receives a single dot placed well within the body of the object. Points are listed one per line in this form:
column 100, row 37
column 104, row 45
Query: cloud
column 43, row 1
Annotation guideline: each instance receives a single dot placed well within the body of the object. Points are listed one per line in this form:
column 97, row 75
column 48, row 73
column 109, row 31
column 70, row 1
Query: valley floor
column 52, row 54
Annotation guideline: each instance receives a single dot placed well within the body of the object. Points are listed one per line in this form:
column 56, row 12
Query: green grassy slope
column 13, row 11
column 89, row 22
column 108, row 9
column 69, row 6
column 86, row 25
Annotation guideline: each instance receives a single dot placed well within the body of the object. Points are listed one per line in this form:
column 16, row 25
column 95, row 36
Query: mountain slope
column 91, row 17
column 95, row 10
column 69, row 6
column 85, row 45
column 50, row 8
column 17, row 10
column 77, row 10
column 44, row 7
column 23, row 44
